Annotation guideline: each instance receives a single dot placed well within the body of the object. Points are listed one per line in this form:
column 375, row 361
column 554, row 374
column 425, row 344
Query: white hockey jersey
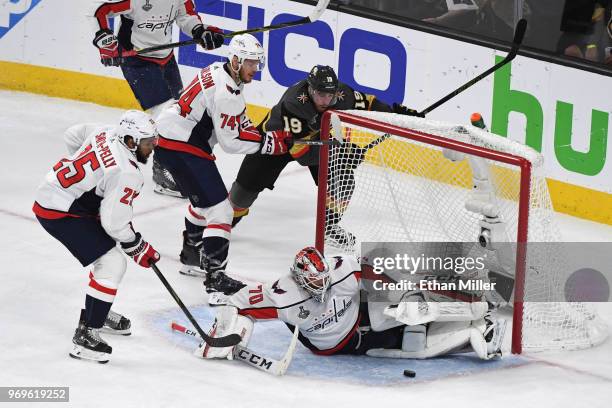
column 100, row 179
column 147, row 23
column 325, row 325
column 210, row 110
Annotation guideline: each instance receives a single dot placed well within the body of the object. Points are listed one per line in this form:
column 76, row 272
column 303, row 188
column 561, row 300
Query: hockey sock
column 96, row 311
column 194, row 232
column 215, row 251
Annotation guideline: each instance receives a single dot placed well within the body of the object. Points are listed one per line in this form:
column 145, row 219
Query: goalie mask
column 322, row 86
column 143, row 131
column 311, row 271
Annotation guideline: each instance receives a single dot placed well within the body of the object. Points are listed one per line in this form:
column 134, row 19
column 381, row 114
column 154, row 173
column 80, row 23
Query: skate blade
column 108, row 330
column 81, row 353
column 167, row 192
column 192, row 271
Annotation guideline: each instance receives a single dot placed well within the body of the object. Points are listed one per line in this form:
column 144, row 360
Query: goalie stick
column 519, row 33
column 226, row 341
column 247, row 356
column 314, row 16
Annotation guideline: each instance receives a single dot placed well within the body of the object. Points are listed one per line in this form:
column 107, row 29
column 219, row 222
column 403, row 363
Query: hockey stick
column 376, row 142
column 337, row 139
column 519, row 33
column 314, row 16
column 226, row 341
column 335, row 132
column 269, row 365
column 334, row 142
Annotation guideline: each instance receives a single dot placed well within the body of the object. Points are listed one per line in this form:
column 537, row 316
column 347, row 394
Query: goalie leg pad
column 417, row 309
column 462, row 311
column 227, row 321
column 414, row 309
column 447, row 337
column 379, row 320
column 415, row 338
column 486, row 337
column 442, row 338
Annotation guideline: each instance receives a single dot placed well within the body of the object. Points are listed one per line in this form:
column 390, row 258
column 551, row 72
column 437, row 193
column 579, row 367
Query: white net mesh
column 388, row 188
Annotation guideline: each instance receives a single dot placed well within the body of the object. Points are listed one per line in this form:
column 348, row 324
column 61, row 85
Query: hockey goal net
column 405, row 179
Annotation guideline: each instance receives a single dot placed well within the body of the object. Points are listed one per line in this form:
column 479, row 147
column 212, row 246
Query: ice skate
column 117, row 324
column 190, row 257
column 163, row 182
column 88, row 345
column 218, row 281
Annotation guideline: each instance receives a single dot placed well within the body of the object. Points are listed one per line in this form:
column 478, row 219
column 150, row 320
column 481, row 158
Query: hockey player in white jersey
column 153, row 77
column 212, row 110
column 85, row 202
column 322, row 298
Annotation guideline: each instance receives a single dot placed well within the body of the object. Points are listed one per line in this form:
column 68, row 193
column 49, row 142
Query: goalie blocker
column 321, row 298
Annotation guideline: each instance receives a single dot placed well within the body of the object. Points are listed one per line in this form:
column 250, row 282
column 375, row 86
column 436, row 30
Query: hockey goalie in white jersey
column 322, row 298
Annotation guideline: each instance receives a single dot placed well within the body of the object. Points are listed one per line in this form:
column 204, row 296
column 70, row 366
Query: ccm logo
column 254, row 359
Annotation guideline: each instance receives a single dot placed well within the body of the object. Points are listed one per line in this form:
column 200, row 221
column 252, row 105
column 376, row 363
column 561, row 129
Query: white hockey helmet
column 246, row 46
column 311, row 271
column 136, row 124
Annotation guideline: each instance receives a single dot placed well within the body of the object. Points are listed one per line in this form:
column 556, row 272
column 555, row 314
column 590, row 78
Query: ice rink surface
column 42, row 290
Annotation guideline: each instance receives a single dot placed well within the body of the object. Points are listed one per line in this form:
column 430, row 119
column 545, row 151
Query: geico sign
column 350, row 42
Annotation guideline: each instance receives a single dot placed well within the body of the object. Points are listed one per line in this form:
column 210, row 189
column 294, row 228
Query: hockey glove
column 107, row 44
column 403, row 110
column 276, row 142
column 141, row 251
column 209, row 38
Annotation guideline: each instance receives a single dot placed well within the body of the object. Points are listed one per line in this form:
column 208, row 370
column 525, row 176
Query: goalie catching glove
column 227, row 321
column 140, row 251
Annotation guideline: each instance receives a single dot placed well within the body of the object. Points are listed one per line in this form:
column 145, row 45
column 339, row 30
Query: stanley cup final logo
column 303, row 314
column 147, row 6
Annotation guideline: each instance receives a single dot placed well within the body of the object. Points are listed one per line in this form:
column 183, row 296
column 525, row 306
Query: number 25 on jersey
column 70, row 172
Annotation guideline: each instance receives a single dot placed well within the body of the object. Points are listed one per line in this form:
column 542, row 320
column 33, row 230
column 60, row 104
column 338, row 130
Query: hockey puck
column 409, row 373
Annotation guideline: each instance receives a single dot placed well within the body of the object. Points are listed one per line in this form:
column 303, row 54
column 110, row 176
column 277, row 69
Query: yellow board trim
column 80, row 86
column 567, row 198
column 581, row 201
column 67, row 84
